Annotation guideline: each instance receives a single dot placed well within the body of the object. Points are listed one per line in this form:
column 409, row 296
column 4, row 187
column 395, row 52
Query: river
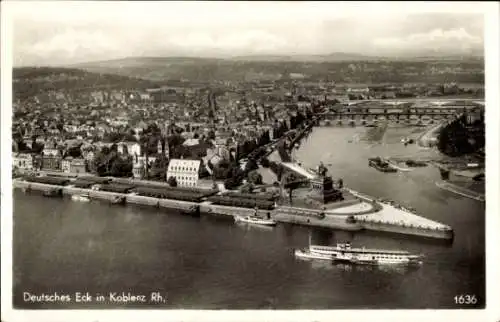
column 211, row 263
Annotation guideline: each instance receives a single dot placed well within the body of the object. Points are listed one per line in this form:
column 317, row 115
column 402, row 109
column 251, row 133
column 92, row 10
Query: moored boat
column 27, row 189
column 54, row 193
column 381, row 165
column 118, row 201
column 192, row 211
column 343, row 252
column 414, row 163
column 82, row 198
column 255, row 220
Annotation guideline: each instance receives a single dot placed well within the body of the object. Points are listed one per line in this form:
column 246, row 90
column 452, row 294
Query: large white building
column 23, row 161
column 186, row 172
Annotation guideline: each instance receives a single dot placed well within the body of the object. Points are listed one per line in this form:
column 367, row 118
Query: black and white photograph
column 213, row 156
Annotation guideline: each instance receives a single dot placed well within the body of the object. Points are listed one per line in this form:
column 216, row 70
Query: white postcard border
column 491, row 313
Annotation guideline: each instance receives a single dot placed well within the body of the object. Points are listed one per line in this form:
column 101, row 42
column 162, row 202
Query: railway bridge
column 407, row 112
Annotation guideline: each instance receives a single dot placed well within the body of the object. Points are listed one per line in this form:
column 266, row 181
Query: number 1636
column 465, row 299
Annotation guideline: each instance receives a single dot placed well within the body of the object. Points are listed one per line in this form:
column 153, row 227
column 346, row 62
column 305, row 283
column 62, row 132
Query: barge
column 81, row 198
column 381, row 165
column 254, row 220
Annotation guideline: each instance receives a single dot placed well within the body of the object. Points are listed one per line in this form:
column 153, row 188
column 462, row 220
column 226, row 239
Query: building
column 138, row 168
column 88, row 155
column 131, row 148
column 51, row 163
column 73, row 165
column 77, row 165
column 50, row 150
column 163, row 148
column 23, row 161
column 222, row 148
column 186, row 172
column 134, row 149
column 66, row 164
column 145, row 97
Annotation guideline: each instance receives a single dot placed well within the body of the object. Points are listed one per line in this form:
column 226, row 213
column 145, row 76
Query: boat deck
column 365, row 250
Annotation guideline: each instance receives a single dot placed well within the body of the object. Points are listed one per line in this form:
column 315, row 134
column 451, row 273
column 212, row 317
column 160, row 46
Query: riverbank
column 429, row 138
column 461, row 191
column 376, row 134
column 378, row 220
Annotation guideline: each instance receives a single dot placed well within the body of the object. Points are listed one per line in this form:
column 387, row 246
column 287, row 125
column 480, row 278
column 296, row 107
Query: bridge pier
column 405, row 115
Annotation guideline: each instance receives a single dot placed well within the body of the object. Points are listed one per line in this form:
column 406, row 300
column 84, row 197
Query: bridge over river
column 409, row 112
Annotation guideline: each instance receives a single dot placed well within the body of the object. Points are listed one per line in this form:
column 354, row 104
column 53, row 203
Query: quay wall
column 34, row 185
column 398, row 229
column 142, row 200
column 103, row 195
column 210, row 208
column 305, row 217
column 298, row 211
column 73, row 191
column 176, row 204
column 328, row 222
column 311, row 217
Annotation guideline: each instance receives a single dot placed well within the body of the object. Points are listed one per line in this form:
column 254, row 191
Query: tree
column 247, row 188
column 231, row 183
column 172, row 181
column 265, row 162
column 291, row 183
column 255, row 177
column 60, row 126
column 121, row 167
column 454, row 139
column 175, row 140
column 251, row 165
column 74, row 152
column 211, row 135
column 36, row 147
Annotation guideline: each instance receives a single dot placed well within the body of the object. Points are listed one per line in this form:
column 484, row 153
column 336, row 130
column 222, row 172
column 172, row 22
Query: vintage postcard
column 248, row 161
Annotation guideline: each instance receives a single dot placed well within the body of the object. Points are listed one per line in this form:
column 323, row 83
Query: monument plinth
column 323, row 190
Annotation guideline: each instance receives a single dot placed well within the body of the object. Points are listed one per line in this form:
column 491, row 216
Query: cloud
column 67, row 46
column 49, row 33
column 435, row 40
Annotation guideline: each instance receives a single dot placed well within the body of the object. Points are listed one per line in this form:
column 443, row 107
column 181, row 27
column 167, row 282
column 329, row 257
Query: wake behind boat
column 255, row 220
column 307, row 254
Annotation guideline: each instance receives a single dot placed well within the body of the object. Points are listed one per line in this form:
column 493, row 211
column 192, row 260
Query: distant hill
column 30, row 81
column 340, row 67
column 333, row 57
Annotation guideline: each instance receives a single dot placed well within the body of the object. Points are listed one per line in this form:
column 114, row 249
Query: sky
column 60, row 33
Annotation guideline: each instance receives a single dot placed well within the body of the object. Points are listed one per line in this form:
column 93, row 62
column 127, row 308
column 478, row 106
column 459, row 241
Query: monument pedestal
column 322, row 190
